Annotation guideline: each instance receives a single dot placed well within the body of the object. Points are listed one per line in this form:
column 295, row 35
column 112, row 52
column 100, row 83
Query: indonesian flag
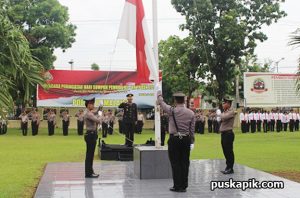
column 133, row 28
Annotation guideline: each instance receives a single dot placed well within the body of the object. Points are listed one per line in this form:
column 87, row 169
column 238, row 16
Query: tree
column 45, row 25
column 295, row 41
column 17, row 66
column 180, row 65
column 95, row 67
column 228, row 31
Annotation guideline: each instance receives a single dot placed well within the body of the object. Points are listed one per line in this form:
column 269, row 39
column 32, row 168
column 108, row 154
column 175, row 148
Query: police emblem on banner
column 259, row 86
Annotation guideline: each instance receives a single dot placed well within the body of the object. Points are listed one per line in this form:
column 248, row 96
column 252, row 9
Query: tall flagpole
column 155, row 49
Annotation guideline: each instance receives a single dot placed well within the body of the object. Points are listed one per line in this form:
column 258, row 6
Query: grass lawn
column 22, row 159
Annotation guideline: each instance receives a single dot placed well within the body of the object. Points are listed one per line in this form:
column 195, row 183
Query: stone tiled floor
column 66, row 180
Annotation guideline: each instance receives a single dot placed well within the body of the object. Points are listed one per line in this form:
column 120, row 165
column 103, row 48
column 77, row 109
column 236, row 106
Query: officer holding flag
column 181, row 141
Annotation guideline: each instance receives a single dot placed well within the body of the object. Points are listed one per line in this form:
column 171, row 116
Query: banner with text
column 270, row 90
column 70, row 88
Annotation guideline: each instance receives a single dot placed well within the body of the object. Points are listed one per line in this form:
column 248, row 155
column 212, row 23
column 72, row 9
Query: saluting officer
column 140, row 123
column 129, row 119
column 111, row 121
column 51, row 117
column 35, row 122
column 105, row 121
column 210, row 120
column 197, row 121
column 202, row 122
column 91, row 136
column 80, row 122
column 163, row 126
column 3, row 123
column 24, row 123
column 218, row 119
column 227, row 135
column 181, row 141
column 65, row 122
column 120, row 121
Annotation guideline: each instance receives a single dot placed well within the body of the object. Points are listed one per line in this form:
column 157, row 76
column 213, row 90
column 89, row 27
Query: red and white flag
column 133, row 28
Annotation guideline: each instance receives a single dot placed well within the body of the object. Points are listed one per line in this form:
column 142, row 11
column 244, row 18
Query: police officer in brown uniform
column 120, row 121
column 227, row 135
column 80, row 122
column 105, row 121
column 111, row 121
column 164, row 126
column 210, row 117
column 129, row 119
column 65, row 122
column 90, row 137
column 51, row 117
column 197, row 121
column 181, row 141
column 35, row 118
column 24, row 123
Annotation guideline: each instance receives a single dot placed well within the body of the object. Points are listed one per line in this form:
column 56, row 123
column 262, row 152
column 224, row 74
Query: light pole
column 237, row 85
column 155, row 50
column 277, row 63
column 71, row 63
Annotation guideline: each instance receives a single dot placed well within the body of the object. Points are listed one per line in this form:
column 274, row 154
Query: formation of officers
column 35, row 117
column 275, row 120
column 107, row 121
column 213, row 118
column 250, row 121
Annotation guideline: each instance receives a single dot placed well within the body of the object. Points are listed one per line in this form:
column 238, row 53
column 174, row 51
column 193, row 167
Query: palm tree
column 18, row 69
column 295, row 41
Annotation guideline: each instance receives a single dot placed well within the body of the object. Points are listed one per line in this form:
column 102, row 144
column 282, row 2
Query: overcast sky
column 97, row 24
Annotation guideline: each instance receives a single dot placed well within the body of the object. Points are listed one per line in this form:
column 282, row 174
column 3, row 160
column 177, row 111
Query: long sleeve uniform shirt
column 227, row 120
column 91, row 121
column 185, row 118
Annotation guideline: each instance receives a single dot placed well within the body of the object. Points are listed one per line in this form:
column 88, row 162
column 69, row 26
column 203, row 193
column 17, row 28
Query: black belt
column 91, row 132
column 179, row 135
column 228, row 131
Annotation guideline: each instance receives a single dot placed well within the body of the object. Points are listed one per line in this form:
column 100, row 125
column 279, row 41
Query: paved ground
column 66, row 180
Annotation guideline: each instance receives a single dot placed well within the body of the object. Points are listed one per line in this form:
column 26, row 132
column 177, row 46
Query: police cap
column 179, row 95
column 89, row 101
column 227, row 99
column 129, row 95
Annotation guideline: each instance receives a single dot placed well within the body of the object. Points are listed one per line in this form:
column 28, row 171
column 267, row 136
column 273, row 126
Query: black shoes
column 227, row 171
column 92, row 176
column 177, row 190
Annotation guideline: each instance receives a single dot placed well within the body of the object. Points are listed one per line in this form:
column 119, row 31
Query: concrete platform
column 146, row 161
column 117, row 180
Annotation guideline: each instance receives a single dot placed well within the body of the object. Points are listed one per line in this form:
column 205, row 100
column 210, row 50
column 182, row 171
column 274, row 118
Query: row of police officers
column 107, row 122
column 269, row 121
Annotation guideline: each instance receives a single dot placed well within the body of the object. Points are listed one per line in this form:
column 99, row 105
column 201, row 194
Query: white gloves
column 158, row 87
column 192, row 147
